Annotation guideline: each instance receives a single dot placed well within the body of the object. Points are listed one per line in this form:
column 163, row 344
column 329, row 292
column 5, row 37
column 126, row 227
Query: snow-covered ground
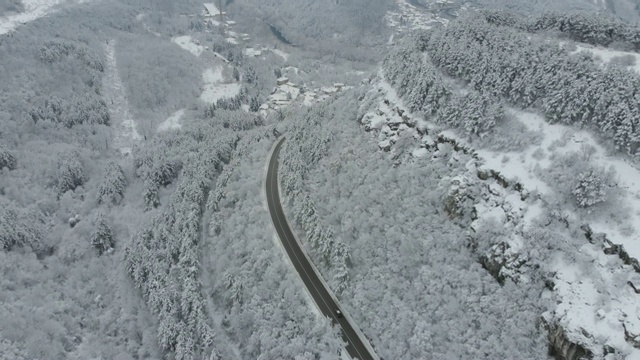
column 214, row 88
column 173, row 122
column 34, row 9
column 125, row 132
column 607, row 54
column 558, row 140
column 596, row 305
column 186, row 42
column 281, row 53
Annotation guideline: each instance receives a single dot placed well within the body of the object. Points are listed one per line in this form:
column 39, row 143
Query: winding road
column 320, row 294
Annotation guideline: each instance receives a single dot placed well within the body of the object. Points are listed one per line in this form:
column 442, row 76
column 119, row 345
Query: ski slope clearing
column 34, row 9
column 215, row 89
column 187, row 43
column 125, row 132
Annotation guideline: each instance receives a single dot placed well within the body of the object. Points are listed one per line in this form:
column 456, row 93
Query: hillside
column 463, row 175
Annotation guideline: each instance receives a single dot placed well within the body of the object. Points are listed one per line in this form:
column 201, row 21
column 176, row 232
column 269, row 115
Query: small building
column 210, row 10
column 283, row 80
column 231, row 22
column 264, row 107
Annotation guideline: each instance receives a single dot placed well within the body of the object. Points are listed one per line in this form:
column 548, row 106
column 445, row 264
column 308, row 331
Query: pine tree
column 70, row 173
column 254, row 105
column 102, row 238
column 113, row 185
column 150, row 195
column 7, row 160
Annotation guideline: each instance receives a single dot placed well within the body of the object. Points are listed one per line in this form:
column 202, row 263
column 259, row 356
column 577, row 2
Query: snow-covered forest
column 462, row 174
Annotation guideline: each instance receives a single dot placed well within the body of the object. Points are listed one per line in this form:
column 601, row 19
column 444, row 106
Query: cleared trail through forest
column 327, row 304
column 124, row 126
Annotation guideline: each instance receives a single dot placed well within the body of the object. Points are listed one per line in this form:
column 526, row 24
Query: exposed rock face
column 502, row 263
column 563, row 348
column 610, row 248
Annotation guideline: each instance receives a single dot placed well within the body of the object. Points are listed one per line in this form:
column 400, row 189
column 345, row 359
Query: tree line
column 419, row 82
column 588, row 27
column 537, row 74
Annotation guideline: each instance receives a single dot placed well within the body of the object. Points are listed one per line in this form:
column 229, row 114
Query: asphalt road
column 320, row 295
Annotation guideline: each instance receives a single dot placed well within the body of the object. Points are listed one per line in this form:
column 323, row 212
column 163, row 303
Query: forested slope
column 573, row 169
column 413, row 286
column 326, row 26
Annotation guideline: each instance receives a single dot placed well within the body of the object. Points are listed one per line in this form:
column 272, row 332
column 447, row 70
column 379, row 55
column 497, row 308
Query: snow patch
column 34, row 9
column 125, row 132
column 173, row 122
column 214, row 89
column 586, row 302
column 186, row 42
column 607, row 54
column 281, row 53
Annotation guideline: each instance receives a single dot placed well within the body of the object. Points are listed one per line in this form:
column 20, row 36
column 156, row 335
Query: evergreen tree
column 102, row 237
column 70, row 173
column 7, row 159
column 113, row 185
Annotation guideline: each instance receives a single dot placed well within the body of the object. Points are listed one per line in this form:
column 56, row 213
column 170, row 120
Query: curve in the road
column 326, row 303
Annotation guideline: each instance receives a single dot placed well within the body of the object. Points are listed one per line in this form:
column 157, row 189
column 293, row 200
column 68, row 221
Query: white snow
column 521, row 165
column 607, row 54
column 173, row 122
column 252, row 52
column 186, row 42
column 281, row 53
column 34, row 9
column 125, row 132
column 214, row 88
column 231, row 40
column 211, row 8
column 587, row 301
column 420, row 152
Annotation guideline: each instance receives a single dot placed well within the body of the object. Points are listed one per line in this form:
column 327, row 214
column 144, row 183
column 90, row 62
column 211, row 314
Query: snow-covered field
column 34, row 9
column 125, row 132
column 173, row 122
column 186, row 42
column 214, row 88
column 607, row 54
column 558, row 140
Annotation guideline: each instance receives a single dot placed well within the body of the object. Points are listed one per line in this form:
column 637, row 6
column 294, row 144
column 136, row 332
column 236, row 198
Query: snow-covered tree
column 113, row 184
column 102, row 238
column 70, row 173
column 591, row 187
column 20, row 227
column 7, row 159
